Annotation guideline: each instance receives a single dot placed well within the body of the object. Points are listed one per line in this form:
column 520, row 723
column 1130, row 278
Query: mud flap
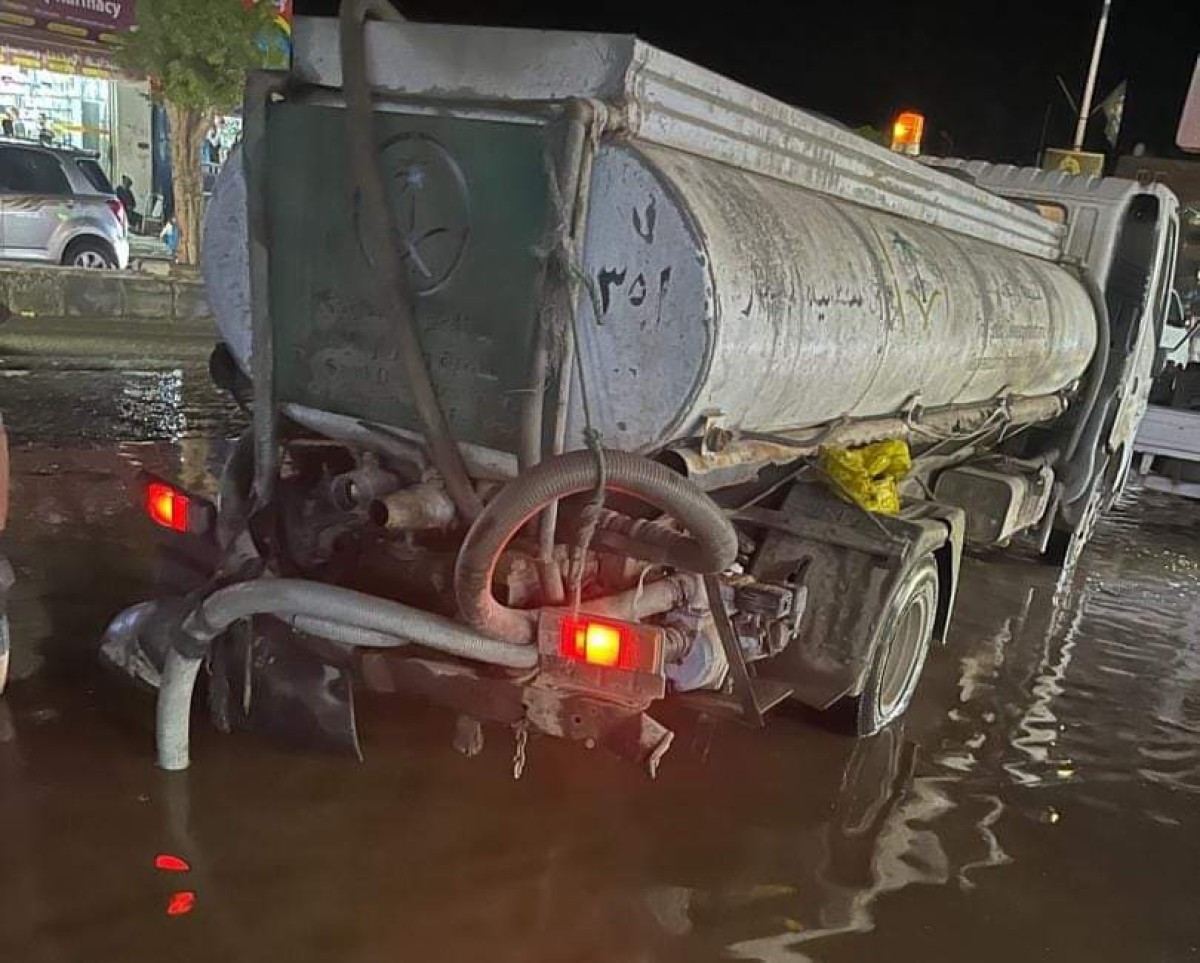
column 270, row 681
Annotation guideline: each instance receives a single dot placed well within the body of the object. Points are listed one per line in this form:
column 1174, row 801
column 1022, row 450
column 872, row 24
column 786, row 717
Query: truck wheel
column 1117, row 478
column 1064, row 547
column 899, row 649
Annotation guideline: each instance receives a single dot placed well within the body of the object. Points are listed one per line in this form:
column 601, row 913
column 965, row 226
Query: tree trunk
column 188, row 127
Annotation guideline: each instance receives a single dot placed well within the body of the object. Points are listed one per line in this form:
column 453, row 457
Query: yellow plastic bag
column 868, row 475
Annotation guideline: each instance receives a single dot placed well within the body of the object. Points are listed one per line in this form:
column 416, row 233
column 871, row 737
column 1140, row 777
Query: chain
column 521, row 731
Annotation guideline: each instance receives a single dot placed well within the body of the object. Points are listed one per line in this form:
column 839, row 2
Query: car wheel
column 89, row 253
column 898, row 651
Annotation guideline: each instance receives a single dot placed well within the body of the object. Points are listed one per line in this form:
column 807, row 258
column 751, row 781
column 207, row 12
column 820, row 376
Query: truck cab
column 1125, row 234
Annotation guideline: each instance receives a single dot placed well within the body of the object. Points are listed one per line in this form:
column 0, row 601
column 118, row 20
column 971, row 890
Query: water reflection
column 1039, row 802
column 47, row 405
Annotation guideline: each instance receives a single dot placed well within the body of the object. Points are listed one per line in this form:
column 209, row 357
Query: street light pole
column 1085, row 104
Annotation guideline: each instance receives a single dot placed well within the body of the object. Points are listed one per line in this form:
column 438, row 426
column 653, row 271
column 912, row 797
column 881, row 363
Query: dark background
column 983, row 73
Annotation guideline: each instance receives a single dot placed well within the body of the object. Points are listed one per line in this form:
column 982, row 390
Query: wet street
column 1042, row 801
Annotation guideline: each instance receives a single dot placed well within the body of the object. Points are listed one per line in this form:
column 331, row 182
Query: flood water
column 1042, row 801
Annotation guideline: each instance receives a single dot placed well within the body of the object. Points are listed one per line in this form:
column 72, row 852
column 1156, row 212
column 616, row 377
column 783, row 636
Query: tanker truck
column 581, row 393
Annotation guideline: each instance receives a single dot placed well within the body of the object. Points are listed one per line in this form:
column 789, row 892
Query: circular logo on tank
column 430, row 209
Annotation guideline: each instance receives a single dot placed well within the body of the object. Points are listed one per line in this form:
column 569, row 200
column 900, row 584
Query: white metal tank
column 741, row 256
column 723, row 290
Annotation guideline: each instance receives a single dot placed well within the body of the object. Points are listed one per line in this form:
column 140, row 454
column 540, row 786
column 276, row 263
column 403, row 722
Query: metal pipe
column 354, row 431
column 741, row 459
column 549, row 571
column 395, row 297
column 1089, row 87
column 652, row 599
column 261, row 85
column 361, row 487
column 410, row 509
column 577, row 167
column 402, row 446
column 529, row 452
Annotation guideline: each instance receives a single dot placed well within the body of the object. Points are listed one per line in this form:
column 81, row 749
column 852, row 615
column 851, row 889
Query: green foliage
column 873, row 134
column 197, row 51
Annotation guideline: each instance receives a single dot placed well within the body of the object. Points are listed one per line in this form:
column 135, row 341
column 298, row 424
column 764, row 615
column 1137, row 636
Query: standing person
column 210, row 150
column 125, row 196
column 170, row 236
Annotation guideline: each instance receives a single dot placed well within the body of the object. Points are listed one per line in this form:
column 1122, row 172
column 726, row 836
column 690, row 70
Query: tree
column 873, row 134
column 196, row 53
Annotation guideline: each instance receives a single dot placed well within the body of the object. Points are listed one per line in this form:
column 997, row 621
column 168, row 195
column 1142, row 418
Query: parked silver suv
column 57, row 205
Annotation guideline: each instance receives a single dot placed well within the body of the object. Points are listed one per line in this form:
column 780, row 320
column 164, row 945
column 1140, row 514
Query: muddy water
column 1040, row 803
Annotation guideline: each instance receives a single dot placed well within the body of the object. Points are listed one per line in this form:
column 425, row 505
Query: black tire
column 1064, row 546
column 898, row 653
column 1116, row 478
column 89, row 253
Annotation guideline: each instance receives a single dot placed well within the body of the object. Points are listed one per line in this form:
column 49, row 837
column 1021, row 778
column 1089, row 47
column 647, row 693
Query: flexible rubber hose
column 395, row 300
column 645, row 600
column 173, row 712
column 711, row 547
column 381, row 621
column 286, row 597
column 346, row 634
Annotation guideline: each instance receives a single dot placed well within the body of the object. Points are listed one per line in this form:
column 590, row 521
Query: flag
column 1113, row 107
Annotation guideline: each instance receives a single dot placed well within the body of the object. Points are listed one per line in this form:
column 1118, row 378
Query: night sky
column 983, row 73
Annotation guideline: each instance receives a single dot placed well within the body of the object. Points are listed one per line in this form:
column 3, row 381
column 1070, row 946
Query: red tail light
column 613, row 660
column 118, row 209
column 167, row 506
column 598, row 642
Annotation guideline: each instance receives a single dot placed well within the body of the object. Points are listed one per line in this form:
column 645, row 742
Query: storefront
column 59, row 85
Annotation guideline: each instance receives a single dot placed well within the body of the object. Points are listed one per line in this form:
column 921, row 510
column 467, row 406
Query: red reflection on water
column 171, row 864
column 182, row 902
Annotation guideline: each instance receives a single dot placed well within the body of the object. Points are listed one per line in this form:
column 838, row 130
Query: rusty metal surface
column 741, row 458
column 853, row 562
column 632, row 686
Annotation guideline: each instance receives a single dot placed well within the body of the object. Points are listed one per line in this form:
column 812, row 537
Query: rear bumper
column 121, row 247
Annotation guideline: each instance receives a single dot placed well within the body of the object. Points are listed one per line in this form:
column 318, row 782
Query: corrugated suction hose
column 711, row 546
